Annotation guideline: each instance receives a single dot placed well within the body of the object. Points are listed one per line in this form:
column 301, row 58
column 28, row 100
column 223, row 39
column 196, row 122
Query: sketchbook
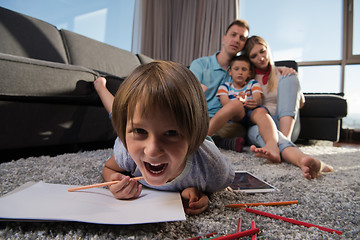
column 52, row 202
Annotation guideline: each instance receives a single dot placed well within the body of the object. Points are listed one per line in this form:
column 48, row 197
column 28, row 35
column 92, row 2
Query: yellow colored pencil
column 98, row 185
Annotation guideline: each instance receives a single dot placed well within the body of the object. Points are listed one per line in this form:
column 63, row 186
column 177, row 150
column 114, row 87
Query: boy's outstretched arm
column 127, row 188
column 195, row 201
column 106, row 97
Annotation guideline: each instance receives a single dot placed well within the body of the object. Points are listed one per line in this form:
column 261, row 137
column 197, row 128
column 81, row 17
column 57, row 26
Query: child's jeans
column 288, row 104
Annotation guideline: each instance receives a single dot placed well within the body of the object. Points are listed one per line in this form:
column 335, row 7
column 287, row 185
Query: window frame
column 348, row 35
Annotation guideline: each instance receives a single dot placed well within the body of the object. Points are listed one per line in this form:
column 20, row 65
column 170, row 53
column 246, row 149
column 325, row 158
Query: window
column 289, row 27
column 324, row 43
column 352, row 87
column 322, row 83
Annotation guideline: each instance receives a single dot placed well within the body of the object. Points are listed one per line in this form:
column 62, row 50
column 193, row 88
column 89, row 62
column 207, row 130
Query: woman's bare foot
column 312, row 167
column 270, row 153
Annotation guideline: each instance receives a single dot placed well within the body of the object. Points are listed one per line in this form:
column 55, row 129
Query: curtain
column 181, row 30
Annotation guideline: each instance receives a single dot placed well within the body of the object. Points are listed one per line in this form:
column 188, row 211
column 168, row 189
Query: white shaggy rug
column 332, row 200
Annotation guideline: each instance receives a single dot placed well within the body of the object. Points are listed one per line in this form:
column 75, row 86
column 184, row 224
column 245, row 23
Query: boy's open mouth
column 155, row 168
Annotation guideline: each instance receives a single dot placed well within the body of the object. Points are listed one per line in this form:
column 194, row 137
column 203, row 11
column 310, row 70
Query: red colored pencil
column 239, row 234
column 292, row 221
column 210, row 234
column 238, row 228
column 253, row 225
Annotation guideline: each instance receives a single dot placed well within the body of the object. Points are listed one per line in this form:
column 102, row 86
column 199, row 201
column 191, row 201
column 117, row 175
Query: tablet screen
column 246, row 182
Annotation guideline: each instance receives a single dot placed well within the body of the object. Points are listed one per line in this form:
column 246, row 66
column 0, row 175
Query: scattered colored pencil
column 239, row 234
column 244, row 205
column 292, row 221
column 239, row 226
column 253, row 226
column 98, row 185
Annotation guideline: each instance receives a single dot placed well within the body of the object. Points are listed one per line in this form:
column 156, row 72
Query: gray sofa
column 47, row 96
column 46, row 84
column 321, row 116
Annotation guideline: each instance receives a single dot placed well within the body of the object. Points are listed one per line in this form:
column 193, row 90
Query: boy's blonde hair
column 250, row 43
column 169, row 86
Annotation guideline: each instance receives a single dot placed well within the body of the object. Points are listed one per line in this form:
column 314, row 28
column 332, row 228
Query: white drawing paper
column 52, row 202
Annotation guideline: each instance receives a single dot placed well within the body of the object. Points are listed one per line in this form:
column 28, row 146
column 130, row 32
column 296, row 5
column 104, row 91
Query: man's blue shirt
column 212, row 75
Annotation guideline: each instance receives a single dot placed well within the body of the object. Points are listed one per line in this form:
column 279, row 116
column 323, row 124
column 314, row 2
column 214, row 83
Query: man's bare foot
column 312, row 167
column 272, row 155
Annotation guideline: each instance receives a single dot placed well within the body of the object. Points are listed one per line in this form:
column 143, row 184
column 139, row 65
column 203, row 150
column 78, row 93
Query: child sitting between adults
column 241, row 100
column 160, row 116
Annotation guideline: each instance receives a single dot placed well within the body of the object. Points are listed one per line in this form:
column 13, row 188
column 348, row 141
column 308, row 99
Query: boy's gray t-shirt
column 207, row 169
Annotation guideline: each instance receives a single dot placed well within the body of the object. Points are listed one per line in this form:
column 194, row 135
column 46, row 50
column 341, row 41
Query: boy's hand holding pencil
column 126, row 188
column 121, row 186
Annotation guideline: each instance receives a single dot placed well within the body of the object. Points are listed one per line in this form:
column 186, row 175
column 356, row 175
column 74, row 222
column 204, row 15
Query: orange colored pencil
column 243, row 205
column 98, row 185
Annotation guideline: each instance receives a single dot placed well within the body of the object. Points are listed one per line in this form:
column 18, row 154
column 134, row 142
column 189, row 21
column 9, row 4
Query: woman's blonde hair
column 169, row 86
column 250, row 43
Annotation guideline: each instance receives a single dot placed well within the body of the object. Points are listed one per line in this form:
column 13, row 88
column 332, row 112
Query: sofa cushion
column 25, row 36
column 96, row 55
column 26, row 77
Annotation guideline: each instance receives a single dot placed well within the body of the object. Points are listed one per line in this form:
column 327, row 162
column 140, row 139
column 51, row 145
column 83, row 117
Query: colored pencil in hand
column 98, row 185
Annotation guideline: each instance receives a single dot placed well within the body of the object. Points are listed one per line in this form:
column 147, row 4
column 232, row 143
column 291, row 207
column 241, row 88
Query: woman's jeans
column 288, row 104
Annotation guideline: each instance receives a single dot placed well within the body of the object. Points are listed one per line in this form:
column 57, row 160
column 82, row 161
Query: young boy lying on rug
column 160, row 116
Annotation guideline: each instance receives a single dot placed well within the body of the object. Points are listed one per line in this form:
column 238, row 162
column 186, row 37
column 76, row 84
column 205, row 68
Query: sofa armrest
column 324, row 105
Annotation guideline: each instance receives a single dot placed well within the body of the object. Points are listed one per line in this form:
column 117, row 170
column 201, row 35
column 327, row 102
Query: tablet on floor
column 247, row 182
